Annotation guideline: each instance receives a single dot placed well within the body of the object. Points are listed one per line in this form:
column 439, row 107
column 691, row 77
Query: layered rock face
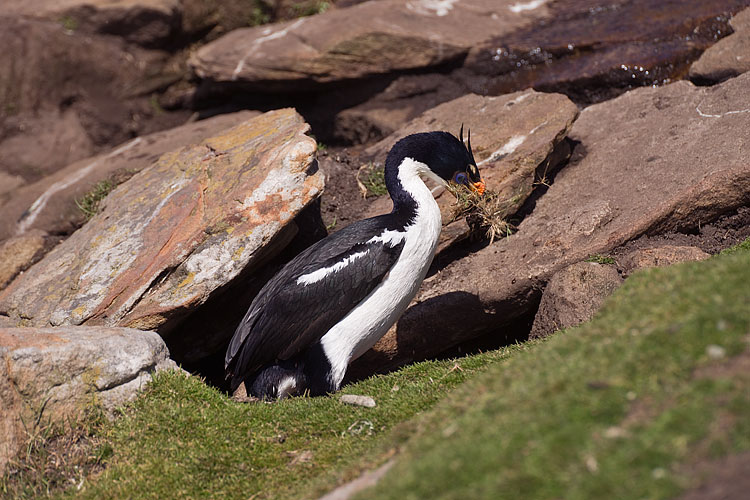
column 49, row 204
column 177, row 231
column 367, row 39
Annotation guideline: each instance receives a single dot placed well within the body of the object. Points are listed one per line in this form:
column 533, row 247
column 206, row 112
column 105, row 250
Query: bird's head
column 447, row 158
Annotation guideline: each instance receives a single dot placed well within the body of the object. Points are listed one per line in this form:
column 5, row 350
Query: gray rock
column 48, row 375
column 729, row 57
column 357, row 400
column 573, row 295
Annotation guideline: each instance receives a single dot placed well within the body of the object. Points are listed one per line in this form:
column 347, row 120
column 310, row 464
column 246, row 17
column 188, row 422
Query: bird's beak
column 477, row 187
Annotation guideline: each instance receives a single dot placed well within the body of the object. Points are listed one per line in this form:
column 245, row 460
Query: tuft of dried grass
column 486, row 214
column 57, row 457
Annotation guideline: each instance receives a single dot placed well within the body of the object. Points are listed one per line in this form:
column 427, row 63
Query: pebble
column 715, row 351
column 357, row 400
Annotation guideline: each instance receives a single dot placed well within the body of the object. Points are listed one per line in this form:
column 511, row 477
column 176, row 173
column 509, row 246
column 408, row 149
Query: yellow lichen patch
column 78, row 312
column 237, row 255
column 188, row 279
column 147, row 322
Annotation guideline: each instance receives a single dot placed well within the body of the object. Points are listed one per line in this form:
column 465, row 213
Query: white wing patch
column 389, row 237
column 319, row 274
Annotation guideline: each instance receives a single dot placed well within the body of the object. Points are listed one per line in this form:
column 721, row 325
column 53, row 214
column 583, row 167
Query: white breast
column 370, row 320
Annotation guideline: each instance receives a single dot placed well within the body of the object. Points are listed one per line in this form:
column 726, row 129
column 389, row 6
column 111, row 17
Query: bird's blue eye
column 460, row 178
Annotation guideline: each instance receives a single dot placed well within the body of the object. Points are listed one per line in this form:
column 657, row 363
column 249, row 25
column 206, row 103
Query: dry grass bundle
column 486, row 215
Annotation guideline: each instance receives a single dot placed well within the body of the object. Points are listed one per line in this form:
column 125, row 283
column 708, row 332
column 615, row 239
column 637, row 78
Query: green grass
column 372, row 178
column 601, row 259
column 743, row 246
column 620, row 407
column 89, row 203
column 183, row 439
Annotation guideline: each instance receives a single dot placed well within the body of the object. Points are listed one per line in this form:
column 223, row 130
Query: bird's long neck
column 408, row 192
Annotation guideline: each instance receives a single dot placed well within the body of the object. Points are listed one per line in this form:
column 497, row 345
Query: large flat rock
column 50, row 375
column 652, row 160
column 370, row 38
column 176, row 232
column 729, row 57
column 50, row 203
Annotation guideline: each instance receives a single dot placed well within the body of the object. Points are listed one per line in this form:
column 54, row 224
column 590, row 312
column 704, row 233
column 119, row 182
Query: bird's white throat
column 366, row 324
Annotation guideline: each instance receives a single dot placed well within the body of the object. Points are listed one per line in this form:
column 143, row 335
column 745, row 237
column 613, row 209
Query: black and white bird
column 333, row 301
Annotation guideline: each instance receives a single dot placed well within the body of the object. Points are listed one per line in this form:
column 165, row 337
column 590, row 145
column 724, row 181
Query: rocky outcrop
column 146, row 22
column 18, row 253
column 51, row 375
column 658, row 256
column 652, row 160
column 50, row 203
column 573, row 295
column 371, row 38
column 729, row 57
column 176, row 232
column 402, row 100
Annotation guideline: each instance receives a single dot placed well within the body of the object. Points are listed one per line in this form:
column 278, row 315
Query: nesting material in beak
column 484, row 210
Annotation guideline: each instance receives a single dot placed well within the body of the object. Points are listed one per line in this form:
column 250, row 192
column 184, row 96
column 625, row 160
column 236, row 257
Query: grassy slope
column 616, row 407
column 182, row 439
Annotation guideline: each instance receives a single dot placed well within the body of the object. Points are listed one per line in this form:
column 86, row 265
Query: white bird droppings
column 520, row 7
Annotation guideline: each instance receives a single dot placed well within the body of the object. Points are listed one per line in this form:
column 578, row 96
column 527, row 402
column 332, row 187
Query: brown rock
column 665, row 255
column 573, row 295
column 729, row 57
column 18, row 254
column 38, row 144
column 50, row 375
column 177, row 231
column 652, row 160
column 404, row 99
column 628, row 44
column 65, row 96
column 8, row 184
column 49, row 203
column 146, row 22
column 366, row 39
column 511, row 136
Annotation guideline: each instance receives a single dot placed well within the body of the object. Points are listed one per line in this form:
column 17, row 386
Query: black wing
column 287, row 315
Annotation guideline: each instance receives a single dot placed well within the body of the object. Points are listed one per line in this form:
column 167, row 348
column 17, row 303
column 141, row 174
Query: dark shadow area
column 318, row 103
column 509, row 330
